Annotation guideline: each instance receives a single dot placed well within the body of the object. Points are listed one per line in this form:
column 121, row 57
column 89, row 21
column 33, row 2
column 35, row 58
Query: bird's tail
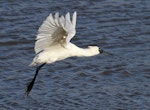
column 32, row 63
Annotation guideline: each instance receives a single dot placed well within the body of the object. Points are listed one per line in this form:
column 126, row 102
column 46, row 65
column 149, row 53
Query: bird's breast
column 51, row 55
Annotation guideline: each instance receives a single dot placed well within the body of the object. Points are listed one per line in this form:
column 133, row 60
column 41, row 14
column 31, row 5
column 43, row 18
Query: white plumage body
column 53, row 40
column 57, row 53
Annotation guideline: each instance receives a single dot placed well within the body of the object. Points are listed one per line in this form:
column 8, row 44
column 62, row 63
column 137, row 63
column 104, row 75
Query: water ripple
column 102, row 82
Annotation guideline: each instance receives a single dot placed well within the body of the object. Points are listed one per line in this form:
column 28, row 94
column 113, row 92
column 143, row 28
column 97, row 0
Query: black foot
column 29, row 88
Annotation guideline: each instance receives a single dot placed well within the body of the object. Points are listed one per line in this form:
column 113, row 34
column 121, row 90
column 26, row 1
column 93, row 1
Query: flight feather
column 54, row 30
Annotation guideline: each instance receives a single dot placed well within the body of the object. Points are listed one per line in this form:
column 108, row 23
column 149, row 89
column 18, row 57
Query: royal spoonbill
column 53, row 43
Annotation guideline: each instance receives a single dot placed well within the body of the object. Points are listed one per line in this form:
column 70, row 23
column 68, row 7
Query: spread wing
column 55, row 30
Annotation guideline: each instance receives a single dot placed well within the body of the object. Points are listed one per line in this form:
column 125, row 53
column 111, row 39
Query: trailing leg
column 30, row 85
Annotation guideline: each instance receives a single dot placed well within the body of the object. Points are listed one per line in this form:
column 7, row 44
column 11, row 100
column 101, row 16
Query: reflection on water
column 103, row 82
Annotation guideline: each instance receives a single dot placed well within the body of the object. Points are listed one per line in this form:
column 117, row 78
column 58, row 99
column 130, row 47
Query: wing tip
column 75, row 13
column 74, row 19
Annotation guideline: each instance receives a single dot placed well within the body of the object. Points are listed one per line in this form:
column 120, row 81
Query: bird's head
column 95, row 50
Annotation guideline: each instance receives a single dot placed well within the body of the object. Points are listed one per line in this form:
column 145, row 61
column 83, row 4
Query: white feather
column 53, row 40
column 53, row 30
column 74, row 18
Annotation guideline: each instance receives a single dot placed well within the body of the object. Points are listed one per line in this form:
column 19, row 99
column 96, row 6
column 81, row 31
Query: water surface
column 102, row 82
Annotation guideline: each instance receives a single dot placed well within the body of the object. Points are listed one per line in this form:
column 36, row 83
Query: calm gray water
column 102, row 82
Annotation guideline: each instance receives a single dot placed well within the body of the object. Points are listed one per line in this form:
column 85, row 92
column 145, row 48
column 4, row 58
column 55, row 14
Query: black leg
column 30, row 85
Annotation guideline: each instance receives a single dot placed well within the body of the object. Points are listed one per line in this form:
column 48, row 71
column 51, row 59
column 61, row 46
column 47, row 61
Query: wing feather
column 53, row 30
column 74, row 17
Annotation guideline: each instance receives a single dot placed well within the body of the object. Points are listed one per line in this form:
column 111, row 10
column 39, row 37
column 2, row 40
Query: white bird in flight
column 53, row 43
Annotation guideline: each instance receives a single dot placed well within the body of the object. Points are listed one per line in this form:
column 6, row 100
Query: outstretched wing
column 55, row 30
